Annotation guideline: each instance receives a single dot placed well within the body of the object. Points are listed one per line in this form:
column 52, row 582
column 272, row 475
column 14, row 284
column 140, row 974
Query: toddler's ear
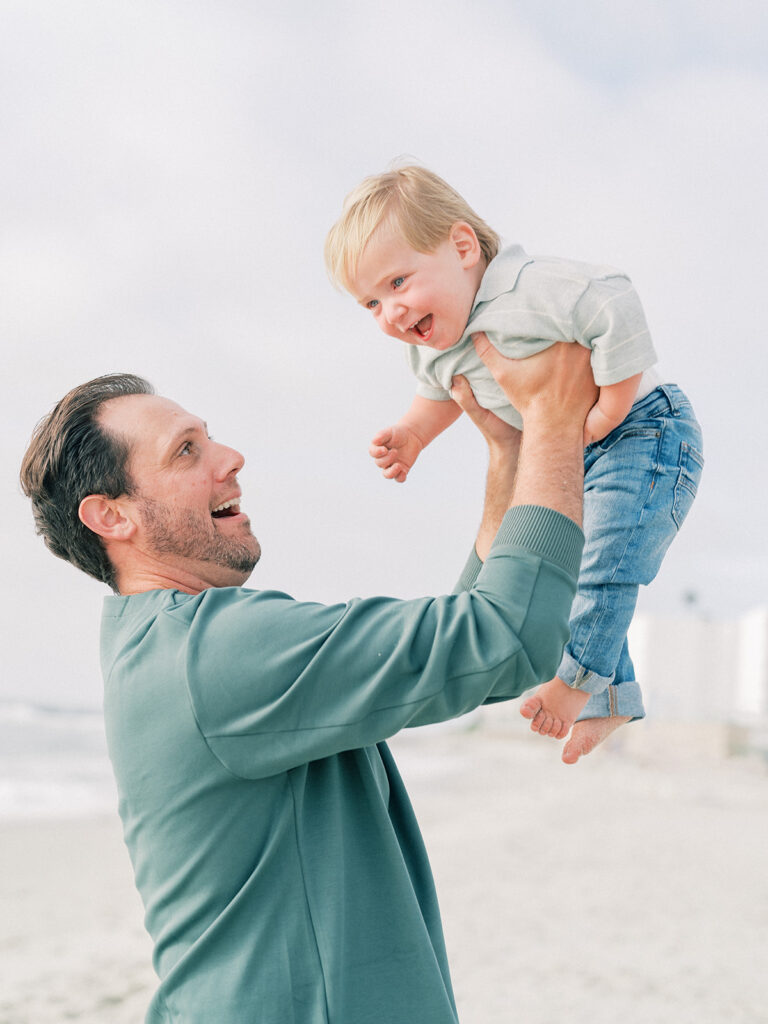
column 466, row 244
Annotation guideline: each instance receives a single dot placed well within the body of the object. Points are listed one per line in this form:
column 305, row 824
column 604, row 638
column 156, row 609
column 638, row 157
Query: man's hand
column 496, row 432
column 394, row 450
column 556, row 384
column 553, row 391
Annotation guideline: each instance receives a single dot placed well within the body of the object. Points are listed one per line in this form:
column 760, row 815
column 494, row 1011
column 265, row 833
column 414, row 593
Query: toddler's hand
column 394, row 450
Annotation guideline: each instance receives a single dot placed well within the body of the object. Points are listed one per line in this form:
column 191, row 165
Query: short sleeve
column 609, row 319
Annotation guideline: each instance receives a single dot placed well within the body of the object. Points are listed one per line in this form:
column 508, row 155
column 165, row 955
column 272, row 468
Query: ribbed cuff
column 470, row 573
column 547, row 533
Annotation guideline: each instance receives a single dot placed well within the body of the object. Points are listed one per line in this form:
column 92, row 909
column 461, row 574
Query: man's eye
column 186, row 448
column 398, row 282
column 372, row 304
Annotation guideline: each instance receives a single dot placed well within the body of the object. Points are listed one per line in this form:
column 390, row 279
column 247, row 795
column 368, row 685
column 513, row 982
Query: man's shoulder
column 208, row 630
column 126, row 618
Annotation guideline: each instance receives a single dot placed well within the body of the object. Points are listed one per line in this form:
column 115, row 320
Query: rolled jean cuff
column 624, row 700
column 580, row 678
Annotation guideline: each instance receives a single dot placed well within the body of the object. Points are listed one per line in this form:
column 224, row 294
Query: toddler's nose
column 394, row 312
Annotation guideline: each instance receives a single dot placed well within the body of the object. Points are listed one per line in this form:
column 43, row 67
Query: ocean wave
column 53, row 762
column 49, row 714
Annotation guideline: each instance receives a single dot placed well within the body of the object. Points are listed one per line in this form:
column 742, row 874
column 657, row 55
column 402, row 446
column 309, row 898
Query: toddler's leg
column 620, row 482
column 589, row 684
column 639, row 483
column 604, row 712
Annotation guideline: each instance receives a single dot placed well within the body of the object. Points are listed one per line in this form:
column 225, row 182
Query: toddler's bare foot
column 553, row 708
column 587, row 734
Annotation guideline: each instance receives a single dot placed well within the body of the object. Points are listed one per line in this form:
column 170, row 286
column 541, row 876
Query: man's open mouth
column 423, row 326
column 227, row 509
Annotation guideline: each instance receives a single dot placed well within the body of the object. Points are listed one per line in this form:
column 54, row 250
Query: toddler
column 409, row 249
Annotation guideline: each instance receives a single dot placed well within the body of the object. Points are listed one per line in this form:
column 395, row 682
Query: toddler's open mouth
column 424, row 326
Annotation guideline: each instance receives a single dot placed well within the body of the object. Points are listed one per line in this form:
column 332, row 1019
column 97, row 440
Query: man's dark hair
column 70, row 456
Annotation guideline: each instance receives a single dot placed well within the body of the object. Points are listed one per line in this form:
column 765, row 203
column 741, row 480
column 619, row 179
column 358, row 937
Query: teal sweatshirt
column 274, row 846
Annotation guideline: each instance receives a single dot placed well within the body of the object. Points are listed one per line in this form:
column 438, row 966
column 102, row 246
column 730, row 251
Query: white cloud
column 628, row 45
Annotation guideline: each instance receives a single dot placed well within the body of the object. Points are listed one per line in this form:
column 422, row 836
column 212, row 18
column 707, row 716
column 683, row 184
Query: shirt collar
column 501, row 274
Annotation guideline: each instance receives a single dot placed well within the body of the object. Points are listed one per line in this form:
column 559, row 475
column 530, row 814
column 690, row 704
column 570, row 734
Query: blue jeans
column 639, row 484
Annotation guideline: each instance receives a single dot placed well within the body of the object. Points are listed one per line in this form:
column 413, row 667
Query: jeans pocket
column 689, row 475
column 624, row 433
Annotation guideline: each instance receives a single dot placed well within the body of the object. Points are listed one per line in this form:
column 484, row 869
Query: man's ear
column 465, row 243
column 106, row 517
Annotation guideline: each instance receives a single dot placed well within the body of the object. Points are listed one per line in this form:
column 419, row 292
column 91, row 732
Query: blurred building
column 705, row 689
column 709, row 673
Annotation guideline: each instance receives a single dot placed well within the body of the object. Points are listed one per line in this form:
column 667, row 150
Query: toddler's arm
column 612, row 405
column 395, row 449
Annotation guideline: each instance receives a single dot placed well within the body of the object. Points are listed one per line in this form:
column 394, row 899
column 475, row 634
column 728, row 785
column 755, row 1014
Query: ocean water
column 53, row 763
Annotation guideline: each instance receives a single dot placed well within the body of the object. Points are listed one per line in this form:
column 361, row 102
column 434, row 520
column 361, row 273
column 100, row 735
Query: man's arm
column 310, row 680
column 553, row 391
column 503, row 453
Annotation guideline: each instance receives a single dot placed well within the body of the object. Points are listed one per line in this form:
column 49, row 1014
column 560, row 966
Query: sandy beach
column 631, row 888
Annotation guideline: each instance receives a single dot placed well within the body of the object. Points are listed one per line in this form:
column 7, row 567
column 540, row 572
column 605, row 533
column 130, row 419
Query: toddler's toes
column 531, row 706
column 541, row 721
column 550, row 726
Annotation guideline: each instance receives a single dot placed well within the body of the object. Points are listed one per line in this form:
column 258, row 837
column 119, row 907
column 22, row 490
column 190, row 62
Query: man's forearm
column 550, row 471
column 542, row 467
column 499, row 487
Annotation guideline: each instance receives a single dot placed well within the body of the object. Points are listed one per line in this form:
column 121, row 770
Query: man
column 274, row 846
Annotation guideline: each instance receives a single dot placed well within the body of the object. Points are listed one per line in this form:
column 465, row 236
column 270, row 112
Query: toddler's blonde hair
column 419, row 205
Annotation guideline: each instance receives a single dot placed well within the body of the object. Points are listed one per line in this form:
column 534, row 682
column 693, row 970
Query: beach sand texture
column 631, row 888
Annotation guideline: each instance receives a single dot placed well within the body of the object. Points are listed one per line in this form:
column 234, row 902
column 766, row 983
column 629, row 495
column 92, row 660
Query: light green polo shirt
column 525, row 304
column 281, row 868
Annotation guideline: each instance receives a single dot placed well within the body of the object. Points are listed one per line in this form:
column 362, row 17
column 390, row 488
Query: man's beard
column 186, row 534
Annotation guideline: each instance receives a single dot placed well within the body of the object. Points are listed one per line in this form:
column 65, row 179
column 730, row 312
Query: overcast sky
column 170, row 169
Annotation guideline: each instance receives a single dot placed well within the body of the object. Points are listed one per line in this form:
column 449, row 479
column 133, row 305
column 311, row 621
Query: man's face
column 423, row 298
column 187, row 498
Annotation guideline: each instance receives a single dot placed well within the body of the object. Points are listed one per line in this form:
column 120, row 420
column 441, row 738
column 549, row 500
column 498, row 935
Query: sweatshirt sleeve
column 275, row 683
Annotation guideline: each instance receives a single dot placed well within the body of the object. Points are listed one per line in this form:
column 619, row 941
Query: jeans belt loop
column 673, row 407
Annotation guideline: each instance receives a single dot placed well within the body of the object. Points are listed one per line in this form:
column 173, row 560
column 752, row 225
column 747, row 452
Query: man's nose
column 229, row 461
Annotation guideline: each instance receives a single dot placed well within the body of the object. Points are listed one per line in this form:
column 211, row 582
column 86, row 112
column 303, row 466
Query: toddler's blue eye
column 398, row 281
column 373, row 304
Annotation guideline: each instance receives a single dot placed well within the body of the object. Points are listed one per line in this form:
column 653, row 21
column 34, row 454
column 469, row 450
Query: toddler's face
column 419, row 297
